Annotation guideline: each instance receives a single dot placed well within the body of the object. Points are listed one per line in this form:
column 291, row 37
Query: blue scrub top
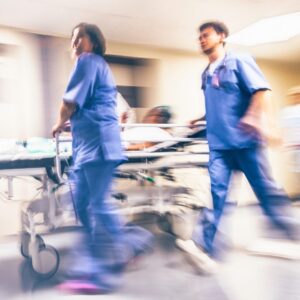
column 94, row 125
column 228, row 93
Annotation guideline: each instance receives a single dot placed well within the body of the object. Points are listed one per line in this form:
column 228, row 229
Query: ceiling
column 168, row 24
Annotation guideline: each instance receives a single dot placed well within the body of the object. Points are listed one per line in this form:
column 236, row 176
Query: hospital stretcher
column 44, row 213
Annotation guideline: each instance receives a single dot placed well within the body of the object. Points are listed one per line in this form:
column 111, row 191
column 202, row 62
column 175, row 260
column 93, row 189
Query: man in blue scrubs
column 235, row 93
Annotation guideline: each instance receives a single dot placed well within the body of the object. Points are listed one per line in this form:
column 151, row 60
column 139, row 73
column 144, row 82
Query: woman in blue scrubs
column 90, row 103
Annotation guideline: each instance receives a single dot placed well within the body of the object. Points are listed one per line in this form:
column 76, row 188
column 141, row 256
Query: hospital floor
column 165, row 273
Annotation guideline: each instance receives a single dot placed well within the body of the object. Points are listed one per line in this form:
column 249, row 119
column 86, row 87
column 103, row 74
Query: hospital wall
column 21, row 108
column 40, row 71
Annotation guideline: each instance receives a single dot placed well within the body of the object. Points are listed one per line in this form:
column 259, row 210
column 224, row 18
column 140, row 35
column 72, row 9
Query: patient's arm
column 139, row 146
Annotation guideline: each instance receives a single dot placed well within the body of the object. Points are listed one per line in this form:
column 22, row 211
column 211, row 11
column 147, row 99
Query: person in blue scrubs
column 90, row 103
column 236, row 92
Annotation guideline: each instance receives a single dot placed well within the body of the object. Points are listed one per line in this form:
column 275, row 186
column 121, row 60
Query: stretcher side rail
column 161, row 149
column 201, row 124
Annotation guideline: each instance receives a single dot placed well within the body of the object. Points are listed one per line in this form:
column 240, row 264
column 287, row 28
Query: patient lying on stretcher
column 132, row 136
column 135, row 138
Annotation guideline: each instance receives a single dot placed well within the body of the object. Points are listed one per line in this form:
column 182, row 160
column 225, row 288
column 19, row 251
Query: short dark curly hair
column 218, row 26
column 95, row 35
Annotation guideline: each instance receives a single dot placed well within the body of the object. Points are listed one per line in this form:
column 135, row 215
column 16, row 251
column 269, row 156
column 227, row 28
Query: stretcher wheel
column 46, row 262
column 25, row 240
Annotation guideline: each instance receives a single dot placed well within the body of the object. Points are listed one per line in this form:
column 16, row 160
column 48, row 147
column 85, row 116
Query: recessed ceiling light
column 269, row 30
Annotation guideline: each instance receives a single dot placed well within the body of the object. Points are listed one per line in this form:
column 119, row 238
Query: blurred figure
column 290, row 121
column 156, row 115
column 236, row 94
column 124, row 111
column 90, row 103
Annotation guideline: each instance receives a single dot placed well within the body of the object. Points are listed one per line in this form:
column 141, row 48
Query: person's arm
column 260, row 117
column 195, row 121
column 253, row 116
column 66, row 111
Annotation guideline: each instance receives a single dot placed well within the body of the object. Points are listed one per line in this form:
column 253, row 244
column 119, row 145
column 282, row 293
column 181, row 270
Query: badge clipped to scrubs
column 215, row 80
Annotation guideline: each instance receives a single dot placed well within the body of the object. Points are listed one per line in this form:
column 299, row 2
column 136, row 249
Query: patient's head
column 158, row 115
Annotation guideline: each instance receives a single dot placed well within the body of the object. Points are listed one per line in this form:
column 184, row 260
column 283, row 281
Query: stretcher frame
column 50, row 172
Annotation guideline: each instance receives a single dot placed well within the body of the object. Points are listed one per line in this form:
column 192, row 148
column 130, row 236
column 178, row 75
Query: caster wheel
column 47, row 261
column 25, row 240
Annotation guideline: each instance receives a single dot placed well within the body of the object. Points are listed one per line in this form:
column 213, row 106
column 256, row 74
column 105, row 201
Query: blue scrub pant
column 100, row 245
column 254, row 164
column 106, row 245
